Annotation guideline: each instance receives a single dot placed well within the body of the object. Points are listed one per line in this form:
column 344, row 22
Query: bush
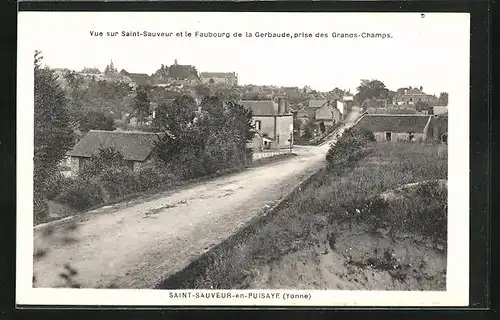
column 40, row 208
column 56, row 184
column 118, row 181
column 151, row 178
column 348, row 149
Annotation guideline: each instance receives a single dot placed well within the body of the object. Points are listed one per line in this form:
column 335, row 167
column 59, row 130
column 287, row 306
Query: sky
column 421, row 51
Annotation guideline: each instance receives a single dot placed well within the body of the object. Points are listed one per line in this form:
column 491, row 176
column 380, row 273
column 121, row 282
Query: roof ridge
column 125, row 132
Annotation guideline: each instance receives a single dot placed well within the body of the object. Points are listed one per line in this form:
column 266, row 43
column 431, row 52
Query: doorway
column 388, row 136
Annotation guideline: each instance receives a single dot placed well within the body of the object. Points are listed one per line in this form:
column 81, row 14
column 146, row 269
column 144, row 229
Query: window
column 130, row 164
column 257, row 125
column 388, row 136
column 410, row 136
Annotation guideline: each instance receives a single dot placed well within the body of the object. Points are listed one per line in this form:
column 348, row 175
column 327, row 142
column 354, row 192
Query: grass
column 330, row 199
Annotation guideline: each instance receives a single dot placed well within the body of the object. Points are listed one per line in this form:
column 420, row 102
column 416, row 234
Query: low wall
column 269, row 154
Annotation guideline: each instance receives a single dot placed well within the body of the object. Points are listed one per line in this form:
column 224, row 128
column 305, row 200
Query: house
column 324, row 111
column 272, row 121
column 395, row 127
column 413, row 95
column 440, row 110
column 140, row 79
column 135, row 147
column 226, row 78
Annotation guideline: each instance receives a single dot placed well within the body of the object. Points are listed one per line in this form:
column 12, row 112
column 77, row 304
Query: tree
column 175, row 117
column 53, row 136
column 202, row 90
column 95, row 120
column 110, row 69
column 141, row 106
column 106, row 158
column 309, row 129
column 201, row 142
column 423, row 106
column 371, row 89
column 443, row 99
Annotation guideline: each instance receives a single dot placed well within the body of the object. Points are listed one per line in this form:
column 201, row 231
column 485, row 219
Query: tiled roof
column 136, row 146
column 391, row 110
column 394, row 123
column 261, row 107
column 316, row 103
column 140, row 78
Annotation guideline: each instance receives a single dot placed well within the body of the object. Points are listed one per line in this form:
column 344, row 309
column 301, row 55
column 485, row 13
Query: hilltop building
column 225, row 78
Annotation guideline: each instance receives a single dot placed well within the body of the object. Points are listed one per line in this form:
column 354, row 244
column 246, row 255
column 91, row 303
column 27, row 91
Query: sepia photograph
column 176, row 158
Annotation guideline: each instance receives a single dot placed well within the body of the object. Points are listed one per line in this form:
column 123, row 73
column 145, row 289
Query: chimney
column 421, row 88
column 409, row 88
column 281, row 105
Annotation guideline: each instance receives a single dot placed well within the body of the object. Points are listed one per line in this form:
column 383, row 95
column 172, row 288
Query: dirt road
column 137, row 244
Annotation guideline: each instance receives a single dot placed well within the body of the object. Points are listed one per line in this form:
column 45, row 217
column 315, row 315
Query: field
column 353, row 228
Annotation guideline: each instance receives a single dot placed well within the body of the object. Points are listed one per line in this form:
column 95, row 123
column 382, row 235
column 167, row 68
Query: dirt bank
column 380, row 226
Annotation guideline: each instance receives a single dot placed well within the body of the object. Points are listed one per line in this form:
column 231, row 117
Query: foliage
column 371, row 89
column 175, row 117
column 82, row 193
column 423, row 106
column 106, row 158
column 85, row 95
column 348, row 149
column 141, row 106
column 110, row 69
column 310, row 129
column 443, row 99
column 95, row 120
column 53, row 136
column 204, row 141
column 202, row 90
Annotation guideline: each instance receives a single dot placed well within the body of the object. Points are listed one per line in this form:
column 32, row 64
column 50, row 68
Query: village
column 282, row 116
column 181, row 160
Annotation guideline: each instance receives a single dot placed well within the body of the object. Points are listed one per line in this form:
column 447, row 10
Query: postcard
column 243, row 159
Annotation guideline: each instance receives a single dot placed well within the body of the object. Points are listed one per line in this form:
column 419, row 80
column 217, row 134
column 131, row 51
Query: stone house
column 225, row 78
column 395, row 127
column 413, row 95
column 135, row 147
column 324, row 111
column 272, row 121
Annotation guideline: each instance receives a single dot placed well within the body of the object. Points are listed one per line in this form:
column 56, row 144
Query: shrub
column 349, row 148
column 118, row 181
column 40, row 208
column 56, row 184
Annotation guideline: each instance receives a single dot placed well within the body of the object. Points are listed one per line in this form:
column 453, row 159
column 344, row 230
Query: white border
column 457, row 293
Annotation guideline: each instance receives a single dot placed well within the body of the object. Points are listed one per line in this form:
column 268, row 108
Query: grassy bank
column 323, row 218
